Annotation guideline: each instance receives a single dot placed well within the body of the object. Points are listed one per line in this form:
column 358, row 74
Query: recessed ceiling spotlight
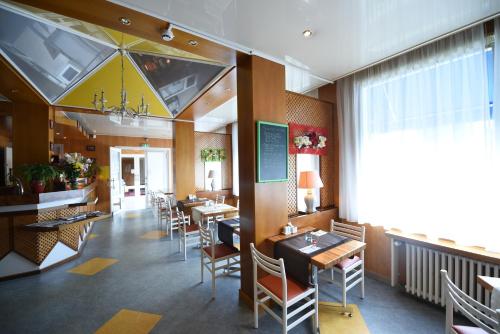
column 307, row 33
column 64, row 137
column 192, row 42
column 57, row 133
column 167, row 35
column 125, row 21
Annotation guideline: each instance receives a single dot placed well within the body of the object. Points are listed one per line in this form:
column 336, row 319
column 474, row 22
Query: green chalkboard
column 272, row 152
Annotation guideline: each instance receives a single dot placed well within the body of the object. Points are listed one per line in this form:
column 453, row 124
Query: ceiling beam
column 220, row 92
column 108, row 14
column 14, row 87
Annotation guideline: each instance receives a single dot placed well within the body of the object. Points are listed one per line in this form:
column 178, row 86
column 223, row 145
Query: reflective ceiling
column 68, row 61
column 347, row 35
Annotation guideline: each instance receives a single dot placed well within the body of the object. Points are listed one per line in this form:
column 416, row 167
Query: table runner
column 225, row 230
column 296, row 262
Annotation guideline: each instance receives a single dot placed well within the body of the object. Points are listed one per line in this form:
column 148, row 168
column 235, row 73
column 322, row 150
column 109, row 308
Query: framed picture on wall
column 272, row 152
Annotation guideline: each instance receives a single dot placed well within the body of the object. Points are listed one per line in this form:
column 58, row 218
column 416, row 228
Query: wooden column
column 184, row 178
column 263, row 206
column 31, row 136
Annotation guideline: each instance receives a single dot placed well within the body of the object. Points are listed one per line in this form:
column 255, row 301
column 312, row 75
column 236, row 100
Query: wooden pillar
column 263, row 206
column 31, row 135
column 329, row 93
column 184, row 179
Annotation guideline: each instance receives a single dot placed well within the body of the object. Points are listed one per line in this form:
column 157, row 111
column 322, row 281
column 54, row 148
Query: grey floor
column 151, row 276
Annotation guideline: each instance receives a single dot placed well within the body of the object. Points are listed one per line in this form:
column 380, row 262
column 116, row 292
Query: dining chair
column 486, row 319
column 220, row 199
column 172, row 219
column 213, row 253
column 352, row 270
column 189, row 234
column 283, row 290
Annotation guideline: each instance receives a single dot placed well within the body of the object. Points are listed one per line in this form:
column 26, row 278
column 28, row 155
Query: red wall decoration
column 307, row 139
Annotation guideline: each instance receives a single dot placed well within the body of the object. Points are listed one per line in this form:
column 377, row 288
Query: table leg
column 316, row 297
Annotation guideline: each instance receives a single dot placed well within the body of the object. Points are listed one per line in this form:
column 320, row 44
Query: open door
column 115, row 179
column 158, row 171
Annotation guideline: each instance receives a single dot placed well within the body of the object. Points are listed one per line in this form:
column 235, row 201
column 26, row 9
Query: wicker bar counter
column 25, row 249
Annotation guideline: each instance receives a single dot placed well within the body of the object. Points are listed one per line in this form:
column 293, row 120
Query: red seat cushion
column 348, row 262
column 468, row 330
column 221, row 250
column 192, row 228
column 273, row 284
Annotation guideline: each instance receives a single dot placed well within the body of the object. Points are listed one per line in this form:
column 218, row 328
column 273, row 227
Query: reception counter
column 33, row 238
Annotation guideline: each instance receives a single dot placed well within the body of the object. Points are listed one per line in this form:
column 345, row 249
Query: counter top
column 57, row 199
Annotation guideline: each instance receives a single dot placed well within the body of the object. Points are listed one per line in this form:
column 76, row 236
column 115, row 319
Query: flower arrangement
column 213, row 154
column 310, row 140
column 76, row 166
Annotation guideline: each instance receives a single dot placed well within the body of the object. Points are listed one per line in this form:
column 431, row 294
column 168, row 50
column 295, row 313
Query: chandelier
column 121, row 110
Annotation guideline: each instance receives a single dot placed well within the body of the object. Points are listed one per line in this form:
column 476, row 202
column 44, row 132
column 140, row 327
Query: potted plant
column 37, row 175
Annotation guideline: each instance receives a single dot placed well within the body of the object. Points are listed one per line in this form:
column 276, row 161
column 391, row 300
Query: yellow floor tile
column 332, row 321
column 157, row 234
column 130, row 322
column 93, row 266
column 132, row 215
column 92, row 236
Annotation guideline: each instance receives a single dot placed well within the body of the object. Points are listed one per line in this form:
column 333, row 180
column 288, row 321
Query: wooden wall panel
column 307, row 110
column 204, row 140
column 30, row 133
column 263, row 206
column 76, row 142
column 184, row 179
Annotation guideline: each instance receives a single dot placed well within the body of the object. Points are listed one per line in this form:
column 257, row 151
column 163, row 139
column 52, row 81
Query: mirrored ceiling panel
column 51, row 58
column 177, row 81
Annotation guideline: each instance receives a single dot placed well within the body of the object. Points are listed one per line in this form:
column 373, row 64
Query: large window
column 420, row 153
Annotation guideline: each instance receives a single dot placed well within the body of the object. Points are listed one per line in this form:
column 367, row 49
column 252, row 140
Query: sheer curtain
column 418, row 143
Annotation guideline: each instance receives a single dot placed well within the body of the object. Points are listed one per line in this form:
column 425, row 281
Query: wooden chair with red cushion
column 486, row 319
column 213, row 253
column 283, row 291
column 352, row 270
column 189, row 233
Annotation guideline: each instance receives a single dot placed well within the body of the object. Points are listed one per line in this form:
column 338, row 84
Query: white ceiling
column 114, row 126
column 347, row 35
column 217, row 119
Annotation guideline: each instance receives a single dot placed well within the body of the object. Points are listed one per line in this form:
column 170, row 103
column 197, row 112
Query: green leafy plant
column 213, row 154
column 38, row 172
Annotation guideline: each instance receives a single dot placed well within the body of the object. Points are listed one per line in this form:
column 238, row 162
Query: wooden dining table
column 328, row 258
column 203, row 212
column 488, row 282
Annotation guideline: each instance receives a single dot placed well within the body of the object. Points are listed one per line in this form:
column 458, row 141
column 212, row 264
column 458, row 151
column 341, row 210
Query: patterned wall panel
column 204, row 140
column 310, row 111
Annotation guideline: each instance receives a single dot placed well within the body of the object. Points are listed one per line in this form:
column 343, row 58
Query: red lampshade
column 310, row 180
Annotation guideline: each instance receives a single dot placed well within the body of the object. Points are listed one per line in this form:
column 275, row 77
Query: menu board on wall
column 272, row 152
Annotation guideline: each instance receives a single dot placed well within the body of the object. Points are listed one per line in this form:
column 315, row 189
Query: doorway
column 135, row 172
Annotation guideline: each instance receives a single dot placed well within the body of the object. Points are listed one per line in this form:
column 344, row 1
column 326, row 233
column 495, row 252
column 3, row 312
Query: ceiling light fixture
column 125, row 21
column 168, row 34
column 122, row 109
column 307, row 33
column 192, row 42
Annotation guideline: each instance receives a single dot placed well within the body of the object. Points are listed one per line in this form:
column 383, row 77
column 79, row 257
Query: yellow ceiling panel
column 108, row 78
column 161, row 49
column 117, row 37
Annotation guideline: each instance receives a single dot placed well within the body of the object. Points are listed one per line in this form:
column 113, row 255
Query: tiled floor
column 151, row 277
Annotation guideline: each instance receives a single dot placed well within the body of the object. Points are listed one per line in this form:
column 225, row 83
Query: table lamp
column 309, row 180
column 211, row 175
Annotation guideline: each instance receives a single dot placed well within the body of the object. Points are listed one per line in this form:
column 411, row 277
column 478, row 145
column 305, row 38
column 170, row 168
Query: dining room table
column 492, row 285
column 329, row 250
column 203, row 212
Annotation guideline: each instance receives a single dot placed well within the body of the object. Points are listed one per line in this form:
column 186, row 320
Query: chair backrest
column 346, row 230
column 238, row 204
column 219, row 199
column 182, row 220
column 481, row 315
column 269, row 265
column 207, row 237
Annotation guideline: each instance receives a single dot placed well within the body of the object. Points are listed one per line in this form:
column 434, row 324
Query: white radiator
column 423, row 278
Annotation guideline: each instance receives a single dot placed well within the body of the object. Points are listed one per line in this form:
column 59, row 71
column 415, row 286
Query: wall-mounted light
column 307, row 33
column 193, row 42
column 167, row 35
column 125, row 21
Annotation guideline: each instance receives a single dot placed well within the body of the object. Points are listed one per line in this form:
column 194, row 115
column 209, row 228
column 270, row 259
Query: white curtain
column 418, row 143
